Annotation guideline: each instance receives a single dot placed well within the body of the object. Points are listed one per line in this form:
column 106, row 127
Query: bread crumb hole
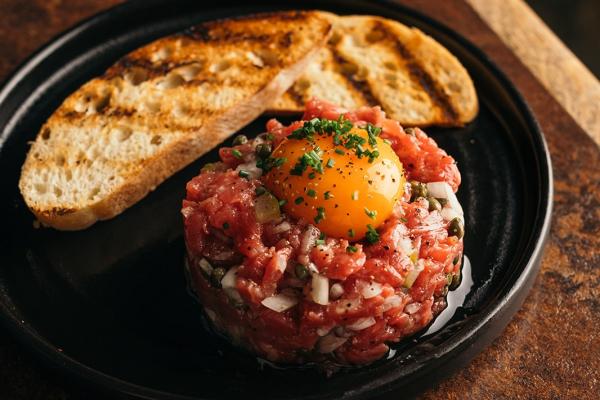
column 40, row 188
column 269, row 57
column 46, row 133
column 348, row 68
column 57, row 191
column 162, row 53
column 454, row 87
column 374, row 36
column 123, row 133
column 335, row 38
column 152, row 106
column 94, row 192
column 181, row 110
column 136, row 76
column 390, row 65
column 302, row 84
column 171, row 81
column 102, row 103
column 60, row 160
column 68, row 175
column 156, row 139
column 221, row 66
column 190, row 71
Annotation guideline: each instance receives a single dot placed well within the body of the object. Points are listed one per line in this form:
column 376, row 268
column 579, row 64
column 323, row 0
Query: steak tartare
column 326, row 239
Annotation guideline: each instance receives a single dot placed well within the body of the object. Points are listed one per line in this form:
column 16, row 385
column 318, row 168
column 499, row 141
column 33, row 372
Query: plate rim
column 52, row 357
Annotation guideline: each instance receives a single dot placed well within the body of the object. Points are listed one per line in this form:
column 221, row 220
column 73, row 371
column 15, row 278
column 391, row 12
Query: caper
column 442, row 201
column 456, row 228
column 410, row 131
column 208, row 167
column 456, row 260
column 240, row 139
column 216, row 276
column 301, row 271
column 263, row 150
column 456, row 279
column 418, row 189
column 434, row 204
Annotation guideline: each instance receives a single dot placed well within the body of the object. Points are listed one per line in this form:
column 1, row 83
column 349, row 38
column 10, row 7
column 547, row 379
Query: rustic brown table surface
column 551, row 349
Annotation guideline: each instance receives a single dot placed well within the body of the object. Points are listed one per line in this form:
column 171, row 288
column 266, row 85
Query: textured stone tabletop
column 551, row 349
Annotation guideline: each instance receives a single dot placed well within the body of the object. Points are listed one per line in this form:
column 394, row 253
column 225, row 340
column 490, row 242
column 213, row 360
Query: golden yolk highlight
column 351, row 193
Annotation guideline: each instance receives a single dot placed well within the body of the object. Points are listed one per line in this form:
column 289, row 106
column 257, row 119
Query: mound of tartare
column 326, row 239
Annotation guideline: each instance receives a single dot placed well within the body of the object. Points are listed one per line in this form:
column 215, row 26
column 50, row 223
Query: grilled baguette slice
column 158, row 109
column 375, row 61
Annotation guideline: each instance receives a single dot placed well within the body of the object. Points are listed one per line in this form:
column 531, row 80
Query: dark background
column 577, row 23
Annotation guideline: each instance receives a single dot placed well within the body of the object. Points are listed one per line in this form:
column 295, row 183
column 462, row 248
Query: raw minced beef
column 281, row 290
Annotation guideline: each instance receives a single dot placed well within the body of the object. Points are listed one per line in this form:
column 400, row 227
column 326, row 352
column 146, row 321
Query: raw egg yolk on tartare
column 346, row 183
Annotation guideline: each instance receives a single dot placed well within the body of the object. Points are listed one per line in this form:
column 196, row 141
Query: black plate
column 109, row 304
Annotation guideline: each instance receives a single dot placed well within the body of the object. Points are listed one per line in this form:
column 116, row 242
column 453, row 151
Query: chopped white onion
column 444, row 191
column 412, row 308
column 205, row 265
column 362, row 323
column 336, row 291
column 413, row 274
column 329, row 343
column 449, row 213
column 187, row 211
column 371, row 289
column 281, row 262
column 320, row 289
column 282, row 227
column 323, row 331
column 211, row 314
column 228, row 283
column 312, row 268
column 346, row 305
column 405, row 245
column 393, row 301
column 280, row 302
column 308, row 239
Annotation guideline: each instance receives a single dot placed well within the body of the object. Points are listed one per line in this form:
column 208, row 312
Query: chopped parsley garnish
column 320, row 215
column 310, row 159
column 372, row 236
column 351, row 249
column 269, row 136
column 244, row 174
column 225, row 225
column 267, row 164
column 312, row 175
column 340, row 152
column 373, row 131
column 355, row 195
column 327, row 195
column 236, row 153
column 321, row 239
column 322, row 126
column 282, row 202
column 299, row 200
column 330, row 163
column 371, row 214
column 351, row 233
column 260, row 191
column 311, row 193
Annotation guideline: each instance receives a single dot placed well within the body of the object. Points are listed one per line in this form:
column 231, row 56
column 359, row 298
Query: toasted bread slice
column 375, row 61
column 158, row 109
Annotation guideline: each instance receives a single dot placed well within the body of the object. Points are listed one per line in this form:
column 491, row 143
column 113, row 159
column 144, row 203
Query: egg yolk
column 349, row 195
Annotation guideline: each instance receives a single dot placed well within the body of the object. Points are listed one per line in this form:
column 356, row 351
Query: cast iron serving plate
column 109, row 305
